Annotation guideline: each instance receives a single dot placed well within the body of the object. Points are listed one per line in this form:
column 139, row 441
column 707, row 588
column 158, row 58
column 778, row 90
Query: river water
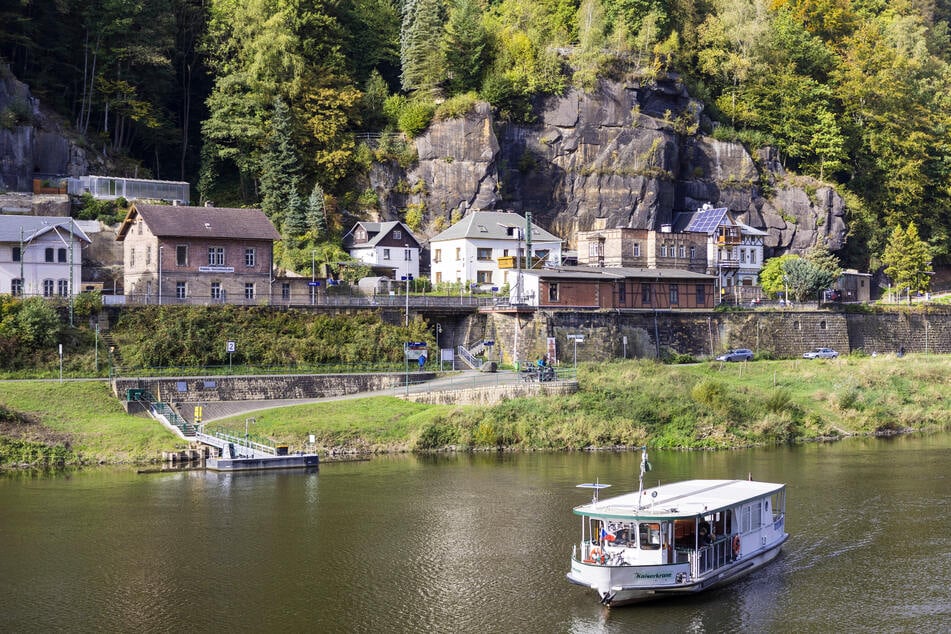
column 463, row 543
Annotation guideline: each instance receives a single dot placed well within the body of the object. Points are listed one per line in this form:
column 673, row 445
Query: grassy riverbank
column 710, row 405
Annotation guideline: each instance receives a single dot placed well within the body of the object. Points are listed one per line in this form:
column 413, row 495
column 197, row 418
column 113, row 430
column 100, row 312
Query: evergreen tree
column 316, row 213
column 424, row 61
column 295, row 219
column 465, row 45
column 280, row 167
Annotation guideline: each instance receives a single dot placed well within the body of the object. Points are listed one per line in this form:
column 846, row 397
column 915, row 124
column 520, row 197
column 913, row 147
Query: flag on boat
column 606, row 536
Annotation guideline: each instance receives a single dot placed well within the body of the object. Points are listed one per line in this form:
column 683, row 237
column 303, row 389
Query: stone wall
column 255, row 388
column 494, row 394
column 780, row 333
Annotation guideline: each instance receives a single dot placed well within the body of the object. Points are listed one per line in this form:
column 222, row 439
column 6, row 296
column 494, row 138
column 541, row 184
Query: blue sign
column 313, row 283
column 488, row 343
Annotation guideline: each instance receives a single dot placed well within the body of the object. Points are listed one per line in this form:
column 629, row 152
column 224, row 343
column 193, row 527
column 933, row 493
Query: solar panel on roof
column 707, row 221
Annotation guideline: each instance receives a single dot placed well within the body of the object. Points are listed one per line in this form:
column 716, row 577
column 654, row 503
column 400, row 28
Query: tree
column 316, row 212
column 907, row 259
column 424, row 61
column 295, row 220
column 280, row 170
column 771, row 276
column 37, row 323
column 466, row 46
column 589, row 57
column 827, row 143
column 807, row 278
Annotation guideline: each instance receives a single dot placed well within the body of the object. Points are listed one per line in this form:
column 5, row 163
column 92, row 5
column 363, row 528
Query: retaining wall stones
column 494, row 394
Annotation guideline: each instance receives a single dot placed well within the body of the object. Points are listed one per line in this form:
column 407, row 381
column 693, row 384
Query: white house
column 388, row 247
column 734, row 250
column 488, row 247
column 40, row 255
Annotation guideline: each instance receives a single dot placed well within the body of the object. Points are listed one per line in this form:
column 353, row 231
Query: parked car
column 821, row 353
column 740, row 354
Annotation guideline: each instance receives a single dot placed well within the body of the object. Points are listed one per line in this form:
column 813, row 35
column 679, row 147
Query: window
column 542, row 254
column 693, row 252
column 148, row 256
column 437, row 255
column 553, row 291
column 701, row 295
column 250, row 259
column 438, row 277
column 458, row 254
column 181, row 291
column 49, row 255
column 17, row 255
column 649, row 535
column 181, row 255
column 674, row 295
column 397, row 234
column 132, row 257
column 249, row 290
column 386, row 254
column 62, row 288
column 646, row 294
column 484, row 254
column 622, row 293
column 61, row 255
column 285, row 291
column 216, row 256
column 216, row 290
column 683, row 251
column 742, row 256
column 663, row 250
column 752, row 256
column 47, row 288
column 138, row 226
column 16, row 287
column 484, row 277
column 637, row 250
column 408, row 255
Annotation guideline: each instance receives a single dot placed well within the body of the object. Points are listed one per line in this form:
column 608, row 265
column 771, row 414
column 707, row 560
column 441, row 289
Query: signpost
column 576, row 339
column 314, row 288
column 230, row 348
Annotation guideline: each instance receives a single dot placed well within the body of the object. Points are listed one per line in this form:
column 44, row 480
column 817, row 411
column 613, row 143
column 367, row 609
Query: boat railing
column 711, row 557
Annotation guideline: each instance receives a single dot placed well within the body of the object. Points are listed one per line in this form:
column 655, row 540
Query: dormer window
column 397, row 234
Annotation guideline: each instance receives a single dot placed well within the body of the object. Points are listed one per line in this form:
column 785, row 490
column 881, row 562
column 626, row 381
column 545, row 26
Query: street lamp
column 313, row 278
column 407, row 278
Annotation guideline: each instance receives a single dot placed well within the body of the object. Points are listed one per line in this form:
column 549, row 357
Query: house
column 643, row 248
column 614, row 288
column 390, row 248
column 853, row 286
column 40, row 255
column 489, row 247
column 734, row 250
column 177, row 254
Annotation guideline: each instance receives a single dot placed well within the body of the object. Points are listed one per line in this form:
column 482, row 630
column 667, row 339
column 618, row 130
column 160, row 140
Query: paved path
column 216, row 410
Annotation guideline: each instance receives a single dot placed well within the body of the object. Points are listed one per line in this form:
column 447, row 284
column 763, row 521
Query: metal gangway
column 232, row 446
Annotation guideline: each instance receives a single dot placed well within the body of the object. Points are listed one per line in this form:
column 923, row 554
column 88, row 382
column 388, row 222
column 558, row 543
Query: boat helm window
column 649, row 535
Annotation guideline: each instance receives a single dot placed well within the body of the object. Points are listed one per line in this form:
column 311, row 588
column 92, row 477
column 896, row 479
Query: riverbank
column 620, row 404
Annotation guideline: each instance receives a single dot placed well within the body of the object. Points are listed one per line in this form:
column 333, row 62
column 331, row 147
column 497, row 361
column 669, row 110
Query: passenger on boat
column 705, row 537
column 622, row 537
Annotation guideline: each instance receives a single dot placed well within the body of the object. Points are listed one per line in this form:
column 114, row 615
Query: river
column 463, row 543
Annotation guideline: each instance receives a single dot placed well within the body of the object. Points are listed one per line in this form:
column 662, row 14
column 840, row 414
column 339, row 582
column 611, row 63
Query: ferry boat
column 676, row 539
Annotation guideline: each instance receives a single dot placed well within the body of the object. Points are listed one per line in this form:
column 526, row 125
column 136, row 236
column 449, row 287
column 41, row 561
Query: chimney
column 665, row 228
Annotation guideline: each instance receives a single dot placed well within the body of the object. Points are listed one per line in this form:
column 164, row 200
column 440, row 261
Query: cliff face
column 37, row 146
column 626, row 155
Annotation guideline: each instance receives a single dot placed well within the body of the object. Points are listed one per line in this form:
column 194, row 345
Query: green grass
column 620, row 404
column 82, row 417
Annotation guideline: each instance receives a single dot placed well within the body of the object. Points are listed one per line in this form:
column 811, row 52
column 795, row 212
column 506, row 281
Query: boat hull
column 624, row 585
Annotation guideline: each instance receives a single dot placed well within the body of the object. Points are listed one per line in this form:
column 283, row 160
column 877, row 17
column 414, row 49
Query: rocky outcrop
column 626, row 155
column 32, row 142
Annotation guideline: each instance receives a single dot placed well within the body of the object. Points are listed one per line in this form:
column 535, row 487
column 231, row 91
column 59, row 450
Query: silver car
column 740, row 354
column 821, row 353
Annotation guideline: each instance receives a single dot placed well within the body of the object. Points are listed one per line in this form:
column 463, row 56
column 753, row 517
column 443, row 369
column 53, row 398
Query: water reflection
column 466, row 543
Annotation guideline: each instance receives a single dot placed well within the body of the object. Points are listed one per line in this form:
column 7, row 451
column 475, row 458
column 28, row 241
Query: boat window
column 649, row 535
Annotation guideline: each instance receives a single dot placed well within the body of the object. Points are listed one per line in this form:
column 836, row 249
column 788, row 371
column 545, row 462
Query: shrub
column 457, row 106
column 415, row 117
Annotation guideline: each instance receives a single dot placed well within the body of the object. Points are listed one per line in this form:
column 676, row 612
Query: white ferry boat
column 676, row 539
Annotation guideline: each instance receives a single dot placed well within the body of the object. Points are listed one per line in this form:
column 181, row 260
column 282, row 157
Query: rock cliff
column 628, row 154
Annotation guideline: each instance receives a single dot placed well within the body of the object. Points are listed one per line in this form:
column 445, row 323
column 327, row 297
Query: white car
column 821, row 353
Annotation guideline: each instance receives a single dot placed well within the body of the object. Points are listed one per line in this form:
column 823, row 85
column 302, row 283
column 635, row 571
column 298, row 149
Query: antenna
column 645, row 467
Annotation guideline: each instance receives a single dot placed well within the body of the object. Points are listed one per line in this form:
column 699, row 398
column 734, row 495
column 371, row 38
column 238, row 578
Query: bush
column 415, row 117
column 457, row 106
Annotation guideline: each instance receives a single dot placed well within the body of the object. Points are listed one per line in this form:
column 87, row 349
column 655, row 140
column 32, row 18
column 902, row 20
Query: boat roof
column 689, row 498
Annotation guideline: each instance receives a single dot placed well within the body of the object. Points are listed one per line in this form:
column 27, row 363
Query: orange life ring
column 736, row 546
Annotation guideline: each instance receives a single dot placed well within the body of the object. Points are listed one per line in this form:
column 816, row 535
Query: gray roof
column 376, row 232
column 34, row 226
column 492, row 225
column 616, row 272
column 172, row 221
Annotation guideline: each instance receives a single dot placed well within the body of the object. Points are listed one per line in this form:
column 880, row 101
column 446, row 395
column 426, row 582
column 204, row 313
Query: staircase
column 162, row 412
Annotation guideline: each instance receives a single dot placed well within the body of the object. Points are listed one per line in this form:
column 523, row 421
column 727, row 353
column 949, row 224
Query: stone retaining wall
column 255, row 388
column 494, row 394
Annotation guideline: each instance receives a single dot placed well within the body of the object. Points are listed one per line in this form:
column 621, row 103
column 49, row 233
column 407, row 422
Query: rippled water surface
column 471, row 543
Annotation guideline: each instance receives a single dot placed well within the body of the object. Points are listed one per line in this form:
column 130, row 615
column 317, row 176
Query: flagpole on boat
column 645, row 467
